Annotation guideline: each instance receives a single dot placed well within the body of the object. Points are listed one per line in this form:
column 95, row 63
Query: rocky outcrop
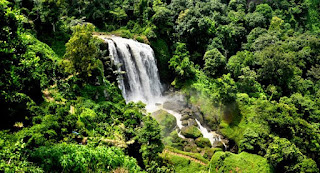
column 166, row 121
column 191, row 132
column 193, row 139
column 203, row 142
column 176, row 106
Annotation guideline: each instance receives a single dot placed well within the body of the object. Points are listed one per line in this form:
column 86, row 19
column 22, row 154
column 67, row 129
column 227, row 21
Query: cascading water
column 206, row 133
column 140, row 82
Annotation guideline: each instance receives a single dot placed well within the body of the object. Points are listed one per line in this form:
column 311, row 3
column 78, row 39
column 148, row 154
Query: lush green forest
column 252, row 67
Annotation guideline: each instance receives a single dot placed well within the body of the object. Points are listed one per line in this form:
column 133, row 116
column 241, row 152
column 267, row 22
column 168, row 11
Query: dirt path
column 184, row 156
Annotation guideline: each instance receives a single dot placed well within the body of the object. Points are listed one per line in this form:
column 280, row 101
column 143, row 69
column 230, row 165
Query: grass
column 193, row 155
column 243, row 162
column 248, row 120
column 181, row 164
column 126, row 33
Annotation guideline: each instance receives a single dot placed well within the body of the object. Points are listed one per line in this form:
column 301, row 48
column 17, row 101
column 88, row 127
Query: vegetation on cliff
column 251, row 67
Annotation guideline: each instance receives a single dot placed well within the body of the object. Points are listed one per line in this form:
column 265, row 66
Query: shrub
column 80, row 158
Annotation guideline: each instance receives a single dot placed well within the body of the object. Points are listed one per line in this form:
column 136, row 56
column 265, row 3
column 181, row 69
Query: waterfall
column 141, row 81
column 206, row 133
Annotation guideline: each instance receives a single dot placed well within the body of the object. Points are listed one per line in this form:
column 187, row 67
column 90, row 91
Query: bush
column 203, row 142
column 79, row 158
column 215, row 63
column 243, row 162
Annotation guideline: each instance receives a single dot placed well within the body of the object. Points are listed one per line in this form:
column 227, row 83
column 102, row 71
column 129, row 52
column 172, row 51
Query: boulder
column 192, row 122
column 190, row 141
column 190, row 146
column 187, row 111
column 185, row 117
column 166, row 121
column 197, row 114
column 218, row 144
column 203, row 142
column 191, row 132
column 158, row 104
column 176, row 106
column 185, row 122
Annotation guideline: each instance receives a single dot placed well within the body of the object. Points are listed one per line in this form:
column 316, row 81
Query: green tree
column 276, row 24
column 225, row 88
column 26, row 67
column 50, row 12
column 248, row 82
column 149, row 136
column 265, row 10
column 285, row 156
column 163, row 19
column 231, row 35
column 215, row 63
column 241, row 60
column 181, row 63
column 82, row 158
column 254, row 20
column 81, row 52
column 252, row 36
column 236, row 5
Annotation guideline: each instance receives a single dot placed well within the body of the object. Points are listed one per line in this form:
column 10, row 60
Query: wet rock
column 187, row 111
column 191, row 132
column 176, row 106
column 158, row 104
column 192, row 122
column 197, row 114
column 225, row 141
column 195, row 108
column 199, row 117
column 190, row 141
column 184, row 122
column 203, row 142
column 233, row 147
column 166, row 121
column 185, row 117
column 218, row 144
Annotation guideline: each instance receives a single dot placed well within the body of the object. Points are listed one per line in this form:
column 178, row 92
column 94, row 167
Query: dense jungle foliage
column 252, row 66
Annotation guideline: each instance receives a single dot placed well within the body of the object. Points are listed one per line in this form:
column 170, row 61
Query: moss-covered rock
column 177, row 105
column 184, row 122
column 210, row 111
column 174, row 140
column 185, row 117
column 191, row 132
column 243, row 162
column 203, row 142
column 167, row 121
column 219, row 144
column 207, row 152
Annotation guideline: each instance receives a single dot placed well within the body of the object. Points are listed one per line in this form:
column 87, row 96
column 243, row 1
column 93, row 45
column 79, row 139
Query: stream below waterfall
column 212, row 136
